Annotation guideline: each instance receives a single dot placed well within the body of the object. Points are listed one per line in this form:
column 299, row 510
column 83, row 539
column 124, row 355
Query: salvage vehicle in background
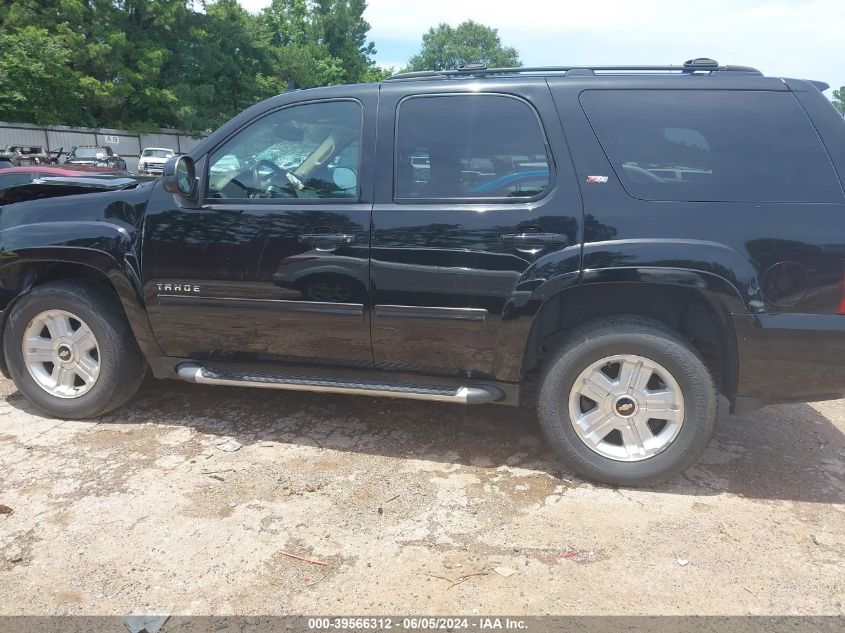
column 152, row 160
column 611, row 247
column 22, row 155
column 95, row 155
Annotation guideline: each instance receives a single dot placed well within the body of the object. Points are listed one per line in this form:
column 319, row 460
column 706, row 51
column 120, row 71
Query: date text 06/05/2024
column 416, row 624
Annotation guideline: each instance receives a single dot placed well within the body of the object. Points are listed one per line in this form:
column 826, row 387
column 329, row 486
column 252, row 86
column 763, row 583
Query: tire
column 678, row 404
column 114, row 364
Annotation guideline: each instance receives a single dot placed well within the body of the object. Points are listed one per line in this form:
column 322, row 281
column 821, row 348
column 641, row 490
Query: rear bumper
column 789, row 358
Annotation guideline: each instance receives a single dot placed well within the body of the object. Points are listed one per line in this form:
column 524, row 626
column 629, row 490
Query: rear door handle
column 327, row 239
column 534, row 239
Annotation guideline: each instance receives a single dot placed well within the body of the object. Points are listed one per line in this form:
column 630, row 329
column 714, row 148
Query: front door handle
column 327, row 239
column 533, row 239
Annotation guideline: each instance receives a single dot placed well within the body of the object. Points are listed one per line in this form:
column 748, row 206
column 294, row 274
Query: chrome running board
column 473, row 394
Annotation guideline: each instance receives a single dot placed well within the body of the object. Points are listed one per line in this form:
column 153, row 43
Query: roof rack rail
column 692, row 66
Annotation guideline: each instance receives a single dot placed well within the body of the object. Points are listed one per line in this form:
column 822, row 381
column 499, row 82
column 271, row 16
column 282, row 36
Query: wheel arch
column 95, row 251
column 695, row 304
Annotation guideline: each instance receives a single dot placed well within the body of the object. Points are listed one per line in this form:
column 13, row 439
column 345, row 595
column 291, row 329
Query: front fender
column 106, row 248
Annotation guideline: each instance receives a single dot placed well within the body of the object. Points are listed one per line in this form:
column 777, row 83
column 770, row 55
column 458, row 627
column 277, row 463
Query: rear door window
column 453, row 147
column 712, row 145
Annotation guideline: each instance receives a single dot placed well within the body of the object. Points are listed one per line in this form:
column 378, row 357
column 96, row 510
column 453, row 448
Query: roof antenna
column 291, row 86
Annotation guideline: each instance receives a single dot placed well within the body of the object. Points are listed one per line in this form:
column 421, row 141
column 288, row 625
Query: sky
column 786, row 38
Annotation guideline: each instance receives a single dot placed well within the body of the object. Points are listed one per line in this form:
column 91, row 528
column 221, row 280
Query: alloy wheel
column 626, row 407
column 61, row 354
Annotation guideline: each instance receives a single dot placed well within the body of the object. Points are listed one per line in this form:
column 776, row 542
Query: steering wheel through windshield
column 264, row 181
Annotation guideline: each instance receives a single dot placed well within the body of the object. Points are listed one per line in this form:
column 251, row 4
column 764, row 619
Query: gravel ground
column 403, row 507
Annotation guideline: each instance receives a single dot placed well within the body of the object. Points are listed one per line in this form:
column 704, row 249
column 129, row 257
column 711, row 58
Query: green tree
column 296, row 53
column 377, row 73
column 316, row 43
column 286, row 22
column 118, row 50
column 36, row 83
column 839, row 99
column 446, row 48
column 221, row 74
column 147, row 61
column 340, row 25
column 192, row 64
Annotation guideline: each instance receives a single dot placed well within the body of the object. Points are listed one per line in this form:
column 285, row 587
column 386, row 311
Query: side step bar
column 475, row 394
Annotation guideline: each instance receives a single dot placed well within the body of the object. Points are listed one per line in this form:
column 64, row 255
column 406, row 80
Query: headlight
column 142, row 165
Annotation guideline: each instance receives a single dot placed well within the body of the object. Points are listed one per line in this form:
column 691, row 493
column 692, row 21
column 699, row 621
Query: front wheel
column 70, row 350
column 626, row 401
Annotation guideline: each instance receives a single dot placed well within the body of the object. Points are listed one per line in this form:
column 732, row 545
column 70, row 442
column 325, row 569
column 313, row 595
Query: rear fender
column 718, row 276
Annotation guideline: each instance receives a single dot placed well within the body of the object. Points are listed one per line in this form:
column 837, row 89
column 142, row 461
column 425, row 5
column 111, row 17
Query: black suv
column 611, row 246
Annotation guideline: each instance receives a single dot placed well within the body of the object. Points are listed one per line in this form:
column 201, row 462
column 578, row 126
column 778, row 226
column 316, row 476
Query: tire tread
column 552, row 419
column 129, row 365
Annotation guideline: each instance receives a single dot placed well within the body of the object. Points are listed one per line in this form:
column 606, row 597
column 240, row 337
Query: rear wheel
column 70, row 350
column 626, row 401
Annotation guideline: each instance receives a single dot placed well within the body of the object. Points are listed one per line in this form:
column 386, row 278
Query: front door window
column 308, row 151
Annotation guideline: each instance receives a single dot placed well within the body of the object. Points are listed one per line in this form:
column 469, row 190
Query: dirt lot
column 413, row 508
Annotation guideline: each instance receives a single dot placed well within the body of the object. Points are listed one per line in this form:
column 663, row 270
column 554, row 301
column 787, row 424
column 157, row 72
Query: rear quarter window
column 712, row 145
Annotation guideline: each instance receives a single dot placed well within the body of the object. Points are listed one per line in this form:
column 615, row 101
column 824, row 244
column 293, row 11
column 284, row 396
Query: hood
column 47, row 216
column 53, row 187
column 75, row 203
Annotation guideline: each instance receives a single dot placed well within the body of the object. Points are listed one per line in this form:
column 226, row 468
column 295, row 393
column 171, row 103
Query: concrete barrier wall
column 127, row 144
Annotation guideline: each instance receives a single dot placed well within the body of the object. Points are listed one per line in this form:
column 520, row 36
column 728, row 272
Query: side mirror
column 180, row 176
column 344, row 177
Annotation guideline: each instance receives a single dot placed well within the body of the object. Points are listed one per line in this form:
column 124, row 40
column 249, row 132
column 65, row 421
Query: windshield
column 157, row 153
column 89, row 152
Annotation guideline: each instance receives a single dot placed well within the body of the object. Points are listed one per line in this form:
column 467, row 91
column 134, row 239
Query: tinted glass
column 290, row 153
column 719, row 145
column 469, row 146
column 157, row 153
